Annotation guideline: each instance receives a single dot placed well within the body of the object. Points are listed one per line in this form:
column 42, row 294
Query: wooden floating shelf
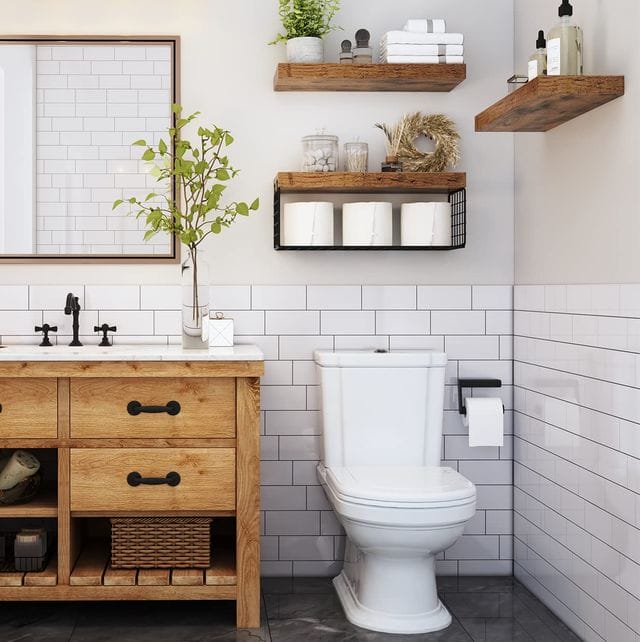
column 44, row 505
column 549, row 101
column 375, row 77
column 382, row 182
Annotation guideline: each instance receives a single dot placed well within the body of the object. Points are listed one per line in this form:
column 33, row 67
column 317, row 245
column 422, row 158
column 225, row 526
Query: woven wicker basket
column 161, row 542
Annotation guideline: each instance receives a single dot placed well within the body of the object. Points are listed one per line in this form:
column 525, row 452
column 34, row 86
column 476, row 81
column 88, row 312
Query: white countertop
column 129, row 353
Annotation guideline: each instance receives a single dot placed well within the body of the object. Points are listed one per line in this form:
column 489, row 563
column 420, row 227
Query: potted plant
column 200, row 169
column 305, row 22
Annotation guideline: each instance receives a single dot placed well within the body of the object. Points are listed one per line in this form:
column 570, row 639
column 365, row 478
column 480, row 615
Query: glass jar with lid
column 320, row 153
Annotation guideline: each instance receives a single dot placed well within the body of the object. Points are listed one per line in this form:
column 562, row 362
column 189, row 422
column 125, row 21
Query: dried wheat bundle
column 394, row 136
column 439, row 128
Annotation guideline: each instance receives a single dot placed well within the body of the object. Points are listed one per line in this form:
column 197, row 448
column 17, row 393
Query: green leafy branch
column 200, row 170
column 306, row 18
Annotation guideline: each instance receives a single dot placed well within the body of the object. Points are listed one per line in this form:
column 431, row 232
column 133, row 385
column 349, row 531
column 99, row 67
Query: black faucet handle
column 105, row 328
column 45, row 328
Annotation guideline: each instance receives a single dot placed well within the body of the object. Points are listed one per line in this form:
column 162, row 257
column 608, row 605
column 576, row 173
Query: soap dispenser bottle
column 564, row 45
column 538, row 61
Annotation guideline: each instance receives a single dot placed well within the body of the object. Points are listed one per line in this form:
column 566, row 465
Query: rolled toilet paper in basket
column 485, row 418
column 367, row 224
column 307, row 224
column 426, row 224
column 21, row 466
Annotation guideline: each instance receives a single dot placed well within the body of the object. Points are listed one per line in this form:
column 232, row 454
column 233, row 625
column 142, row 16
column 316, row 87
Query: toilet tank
column 381, row 408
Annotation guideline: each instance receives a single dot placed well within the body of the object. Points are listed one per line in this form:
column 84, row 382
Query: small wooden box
column 161, row 542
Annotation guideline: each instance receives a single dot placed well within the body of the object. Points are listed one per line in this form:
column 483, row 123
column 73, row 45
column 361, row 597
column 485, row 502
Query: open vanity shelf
column 43, row 506
column 452, row 184
column 77, row 410
column 548, row 101
column 376, row 77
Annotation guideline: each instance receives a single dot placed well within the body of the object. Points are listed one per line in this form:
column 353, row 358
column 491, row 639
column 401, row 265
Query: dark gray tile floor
column 305, row 610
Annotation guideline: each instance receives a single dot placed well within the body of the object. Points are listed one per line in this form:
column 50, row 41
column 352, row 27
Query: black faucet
column 73, row 307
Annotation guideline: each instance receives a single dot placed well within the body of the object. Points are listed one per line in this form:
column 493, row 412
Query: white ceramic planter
column 305, row 50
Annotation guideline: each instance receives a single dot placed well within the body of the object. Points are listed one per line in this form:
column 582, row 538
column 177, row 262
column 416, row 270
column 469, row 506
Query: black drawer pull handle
column 135, row 408
column 136, row 479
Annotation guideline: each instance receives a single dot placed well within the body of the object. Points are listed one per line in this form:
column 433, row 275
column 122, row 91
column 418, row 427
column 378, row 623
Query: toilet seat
column 399, row 497
column 400, row 486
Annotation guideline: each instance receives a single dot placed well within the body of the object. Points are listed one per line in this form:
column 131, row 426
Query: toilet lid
column 420, row 485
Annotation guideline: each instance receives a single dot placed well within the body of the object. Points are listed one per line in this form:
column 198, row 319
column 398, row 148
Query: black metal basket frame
column 457, row 198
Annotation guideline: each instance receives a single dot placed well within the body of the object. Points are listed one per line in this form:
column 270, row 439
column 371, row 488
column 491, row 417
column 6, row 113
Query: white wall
column 577, row 454
column 227, row 72
column 576, row 186
column 577, row 425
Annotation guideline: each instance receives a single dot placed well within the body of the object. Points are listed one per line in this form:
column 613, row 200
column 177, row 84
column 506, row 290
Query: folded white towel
column 426, row 26
column 423, row 50
column 408, row 38
column 423, row 60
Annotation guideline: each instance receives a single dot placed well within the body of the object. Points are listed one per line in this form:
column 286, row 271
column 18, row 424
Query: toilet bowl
column 381, row 436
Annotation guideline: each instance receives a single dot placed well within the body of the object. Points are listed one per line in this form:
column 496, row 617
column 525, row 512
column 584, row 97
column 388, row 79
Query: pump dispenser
column 538, row 61
column 564, row 45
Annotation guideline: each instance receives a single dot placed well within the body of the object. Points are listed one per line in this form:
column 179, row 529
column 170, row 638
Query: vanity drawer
column 102, row 480
column 141, row 408
column 29, row 408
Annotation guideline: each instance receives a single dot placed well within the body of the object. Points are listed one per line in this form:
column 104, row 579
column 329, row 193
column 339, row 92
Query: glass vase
column 195, row 301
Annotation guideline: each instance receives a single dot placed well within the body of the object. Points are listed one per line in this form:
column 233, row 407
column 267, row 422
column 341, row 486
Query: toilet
column 382, row 415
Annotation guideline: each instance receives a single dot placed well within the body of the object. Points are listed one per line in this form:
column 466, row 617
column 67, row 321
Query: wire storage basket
column 161, row 542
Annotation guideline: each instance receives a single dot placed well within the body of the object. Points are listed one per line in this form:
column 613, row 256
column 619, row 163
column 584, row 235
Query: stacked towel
column 426, row 26
column 422, row 41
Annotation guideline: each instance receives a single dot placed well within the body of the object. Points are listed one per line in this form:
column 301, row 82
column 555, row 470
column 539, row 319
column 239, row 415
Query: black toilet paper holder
column 475, row 383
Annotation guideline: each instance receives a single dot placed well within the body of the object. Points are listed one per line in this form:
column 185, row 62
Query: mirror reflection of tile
column 89, row 102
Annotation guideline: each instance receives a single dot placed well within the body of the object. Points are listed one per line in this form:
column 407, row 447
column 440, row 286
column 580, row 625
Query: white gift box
column 220, row 331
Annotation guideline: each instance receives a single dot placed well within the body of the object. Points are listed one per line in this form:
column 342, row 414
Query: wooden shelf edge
column 153, row 513
column 549, row 101
column 77, row 369
column 116, row 593
column 44, row 505
column 372, row 77
column 382, row 182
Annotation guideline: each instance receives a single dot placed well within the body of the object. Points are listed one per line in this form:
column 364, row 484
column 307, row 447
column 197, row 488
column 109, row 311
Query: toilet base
column 435, row 620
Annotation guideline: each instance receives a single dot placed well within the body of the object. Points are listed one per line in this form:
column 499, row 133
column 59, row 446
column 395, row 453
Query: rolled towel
column 20, row 466
column 423, row 50
column 423, row 60
column 409, row 38
column 426, row 26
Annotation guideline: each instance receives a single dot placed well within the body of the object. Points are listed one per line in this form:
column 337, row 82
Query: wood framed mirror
column 70, row 109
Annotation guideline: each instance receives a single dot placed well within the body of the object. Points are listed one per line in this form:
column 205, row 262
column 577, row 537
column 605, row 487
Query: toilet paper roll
column 367, row 224
column 426, row 224
column 485, row 419
column 21, row 465
column 306, row 224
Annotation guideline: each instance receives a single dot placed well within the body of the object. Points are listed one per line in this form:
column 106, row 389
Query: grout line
column 575, row 584
column 587, row 501
column 574, row 343
column 558, row 599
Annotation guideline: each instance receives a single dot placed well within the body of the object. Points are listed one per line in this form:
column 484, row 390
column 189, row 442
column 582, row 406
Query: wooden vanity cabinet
column 108, row 419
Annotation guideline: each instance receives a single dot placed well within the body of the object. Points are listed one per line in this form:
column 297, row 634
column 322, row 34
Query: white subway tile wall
column 577, row 454
column 301, row 535
column 92, row 103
